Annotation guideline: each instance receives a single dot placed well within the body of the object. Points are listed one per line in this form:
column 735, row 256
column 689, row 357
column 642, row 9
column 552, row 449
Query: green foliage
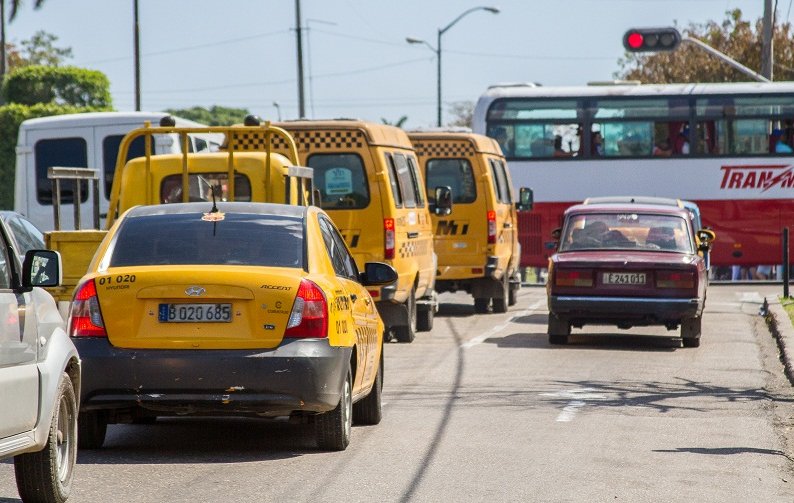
column 11, row 116
column 215, row 116
column 66, row 85
column 462, row 113
column 40, row 50
column 398, row 123
column 738, row 38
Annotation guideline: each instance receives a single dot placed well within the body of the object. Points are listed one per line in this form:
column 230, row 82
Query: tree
column 462, row 113
column 738, row 38
column 14, row 4
column 398, row 123
column 40, row 50
column 214, row 116
column 63, row 85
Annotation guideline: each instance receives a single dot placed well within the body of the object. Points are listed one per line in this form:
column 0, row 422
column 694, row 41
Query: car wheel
column 332, row 428
column 481, row 305
column 46, row 475
column 559, row 330
column 407, row 333
column 500, row 303
column 512, row 296
column 690, row 332
column 91, row 427
column 368, row 410
column 424, row 319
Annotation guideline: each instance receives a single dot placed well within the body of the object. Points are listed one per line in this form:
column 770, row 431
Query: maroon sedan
column 628, row 264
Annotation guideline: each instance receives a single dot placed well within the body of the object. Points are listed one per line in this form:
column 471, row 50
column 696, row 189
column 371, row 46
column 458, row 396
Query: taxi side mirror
column 556, row 233
column 526, row 199
column 443, row 201
column 706, row 238
column 41, row 268
column 377, row 274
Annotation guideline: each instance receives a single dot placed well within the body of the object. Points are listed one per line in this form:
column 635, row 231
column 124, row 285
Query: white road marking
column 577, row 401
column 482, row 338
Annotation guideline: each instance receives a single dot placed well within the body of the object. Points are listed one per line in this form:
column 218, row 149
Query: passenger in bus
column 681, row 146
column 662, row 148
column 500, row 135
column 779, row 142
column 558, row 151
column 596, row 145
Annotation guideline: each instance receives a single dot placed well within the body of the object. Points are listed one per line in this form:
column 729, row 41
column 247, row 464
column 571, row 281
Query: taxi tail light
column 573, row 278
column 675, row 279
column 388, row 238
column 491, row 227
column 309, row 317
column 85, row 318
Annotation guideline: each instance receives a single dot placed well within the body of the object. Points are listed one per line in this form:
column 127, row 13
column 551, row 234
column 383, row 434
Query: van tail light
column 388, row 238
column 491, row 227
column 309, row 316
column 675, row 279
column 573, row 278
column 85, row 318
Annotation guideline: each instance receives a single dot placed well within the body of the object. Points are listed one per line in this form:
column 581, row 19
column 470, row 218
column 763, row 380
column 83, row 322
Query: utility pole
column 298, row 30
column 137, row 42
column 767, row 45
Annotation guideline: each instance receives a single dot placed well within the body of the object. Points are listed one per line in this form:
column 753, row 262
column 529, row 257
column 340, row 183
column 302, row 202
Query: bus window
column 537, row 140
column 749, row 136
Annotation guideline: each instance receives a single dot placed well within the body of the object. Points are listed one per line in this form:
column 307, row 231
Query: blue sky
column 241, row 53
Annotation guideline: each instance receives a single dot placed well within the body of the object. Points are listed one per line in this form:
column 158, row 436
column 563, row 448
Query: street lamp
column 437, row 50
column 278, row 110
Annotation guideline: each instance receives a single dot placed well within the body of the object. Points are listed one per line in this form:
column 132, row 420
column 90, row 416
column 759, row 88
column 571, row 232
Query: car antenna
column 214, row 205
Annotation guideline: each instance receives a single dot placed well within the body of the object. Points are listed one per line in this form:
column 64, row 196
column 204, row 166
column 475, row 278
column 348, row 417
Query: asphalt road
column 484, row 409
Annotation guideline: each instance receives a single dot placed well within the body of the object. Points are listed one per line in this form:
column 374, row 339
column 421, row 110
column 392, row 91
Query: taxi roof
column 376, row 134
column 284, row 210
column 481, row 143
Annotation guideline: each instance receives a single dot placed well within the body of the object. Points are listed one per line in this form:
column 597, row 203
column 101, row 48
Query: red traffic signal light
column 651, row 39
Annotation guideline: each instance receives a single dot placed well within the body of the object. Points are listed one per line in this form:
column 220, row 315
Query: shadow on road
column 455, row 310
column 725, row 451
column 602, row 341
column 532, row 319
column 202, row 440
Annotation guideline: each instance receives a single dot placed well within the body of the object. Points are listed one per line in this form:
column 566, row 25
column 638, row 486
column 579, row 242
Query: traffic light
column 651, row 39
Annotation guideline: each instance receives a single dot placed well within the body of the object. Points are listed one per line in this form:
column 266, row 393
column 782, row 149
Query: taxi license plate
column 624, row 278
column 195, row 313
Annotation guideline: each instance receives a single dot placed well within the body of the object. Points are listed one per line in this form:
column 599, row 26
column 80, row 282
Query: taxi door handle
column 412, row 235
column 353, row 297
column 508, row 225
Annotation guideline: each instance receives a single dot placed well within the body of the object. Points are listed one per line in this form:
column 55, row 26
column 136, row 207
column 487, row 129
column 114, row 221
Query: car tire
column 481, row 305
column 407, row 333
column 332, row 429
column 690, row 332
column 92, row 427
column 368, row 410
column 559, row 330
column 424, row 319
column 500, row 303
column 47, row 475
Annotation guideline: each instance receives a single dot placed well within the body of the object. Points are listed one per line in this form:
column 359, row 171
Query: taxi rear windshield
column 206, row 239
column 455, row 174
column 341, row 180
column 630, row 230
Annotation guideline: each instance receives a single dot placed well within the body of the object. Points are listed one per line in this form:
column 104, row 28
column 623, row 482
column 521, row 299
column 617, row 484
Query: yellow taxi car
column 230, row 309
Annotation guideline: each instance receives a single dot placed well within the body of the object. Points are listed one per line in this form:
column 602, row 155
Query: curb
column 783, row 331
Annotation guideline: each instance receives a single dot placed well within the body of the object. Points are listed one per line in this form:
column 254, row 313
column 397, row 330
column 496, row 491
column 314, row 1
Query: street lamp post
column 437, row 50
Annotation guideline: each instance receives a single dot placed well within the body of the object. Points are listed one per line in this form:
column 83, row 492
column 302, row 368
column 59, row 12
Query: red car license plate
column 624, row 278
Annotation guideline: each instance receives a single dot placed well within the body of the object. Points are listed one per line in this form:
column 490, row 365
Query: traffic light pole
column 725, row 58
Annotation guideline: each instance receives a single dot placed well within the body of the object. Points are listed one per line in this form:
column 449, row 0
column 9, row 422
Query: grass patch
column 788, row 305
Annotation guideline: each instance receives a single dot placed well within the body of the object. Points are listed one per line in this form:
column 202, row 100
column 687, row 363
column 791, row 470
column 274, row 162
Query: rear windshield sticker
column 338, row 181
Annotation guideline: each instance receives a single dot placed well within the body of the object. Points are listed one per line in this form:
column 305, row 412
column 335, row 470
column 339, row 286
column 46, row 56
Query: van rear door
column 69, row 147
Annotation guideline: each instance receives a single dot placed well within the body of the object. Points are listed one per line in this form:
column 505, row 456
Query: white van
column 83, row 140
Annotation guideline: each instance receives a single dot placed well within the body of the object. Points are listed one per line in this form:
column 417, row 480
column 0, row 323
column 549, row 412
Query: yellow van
column 477, row 243
column 367, row 178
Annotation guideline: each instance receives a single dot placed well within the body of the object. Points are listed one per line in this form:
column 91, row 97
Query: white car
column 39, row 374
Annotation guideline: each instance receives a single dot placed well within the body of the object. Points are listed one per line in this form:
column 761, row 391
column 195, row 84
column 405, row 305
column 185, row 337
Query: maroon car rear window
column 623, row 231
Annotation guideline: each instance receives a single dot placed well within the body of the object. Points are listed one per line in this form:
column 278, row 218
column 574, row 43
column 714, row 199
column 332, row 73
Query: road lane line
column 577, row 401
column 482, row 338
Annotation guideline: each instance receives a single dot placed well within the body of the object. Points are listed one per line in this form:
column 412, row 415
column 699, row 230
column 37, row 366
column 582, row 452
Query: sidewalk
column 782, row 329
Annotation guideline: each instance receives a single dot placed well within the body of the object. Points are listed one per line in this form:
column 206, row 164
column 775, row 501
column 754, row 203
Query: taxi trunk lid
column 225, row 307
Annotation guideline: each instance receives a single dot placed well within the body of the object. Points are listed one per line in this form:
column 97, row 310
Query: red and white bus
column 728, row 147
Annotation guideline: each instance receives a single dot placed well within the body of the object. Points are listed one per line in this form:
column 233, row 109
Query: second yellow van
column 477, row 243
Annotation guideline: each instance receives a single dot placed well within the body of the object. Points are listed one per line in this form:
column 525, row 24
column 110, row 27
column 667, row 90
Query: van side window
column 415, row 180
column 505, row 177
column 341, row 260
column 455, row 174
column 341, row 179
column 403, row 175
column 110, row 153
column 499, row 181
column 395, row 186
column 61, row 152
